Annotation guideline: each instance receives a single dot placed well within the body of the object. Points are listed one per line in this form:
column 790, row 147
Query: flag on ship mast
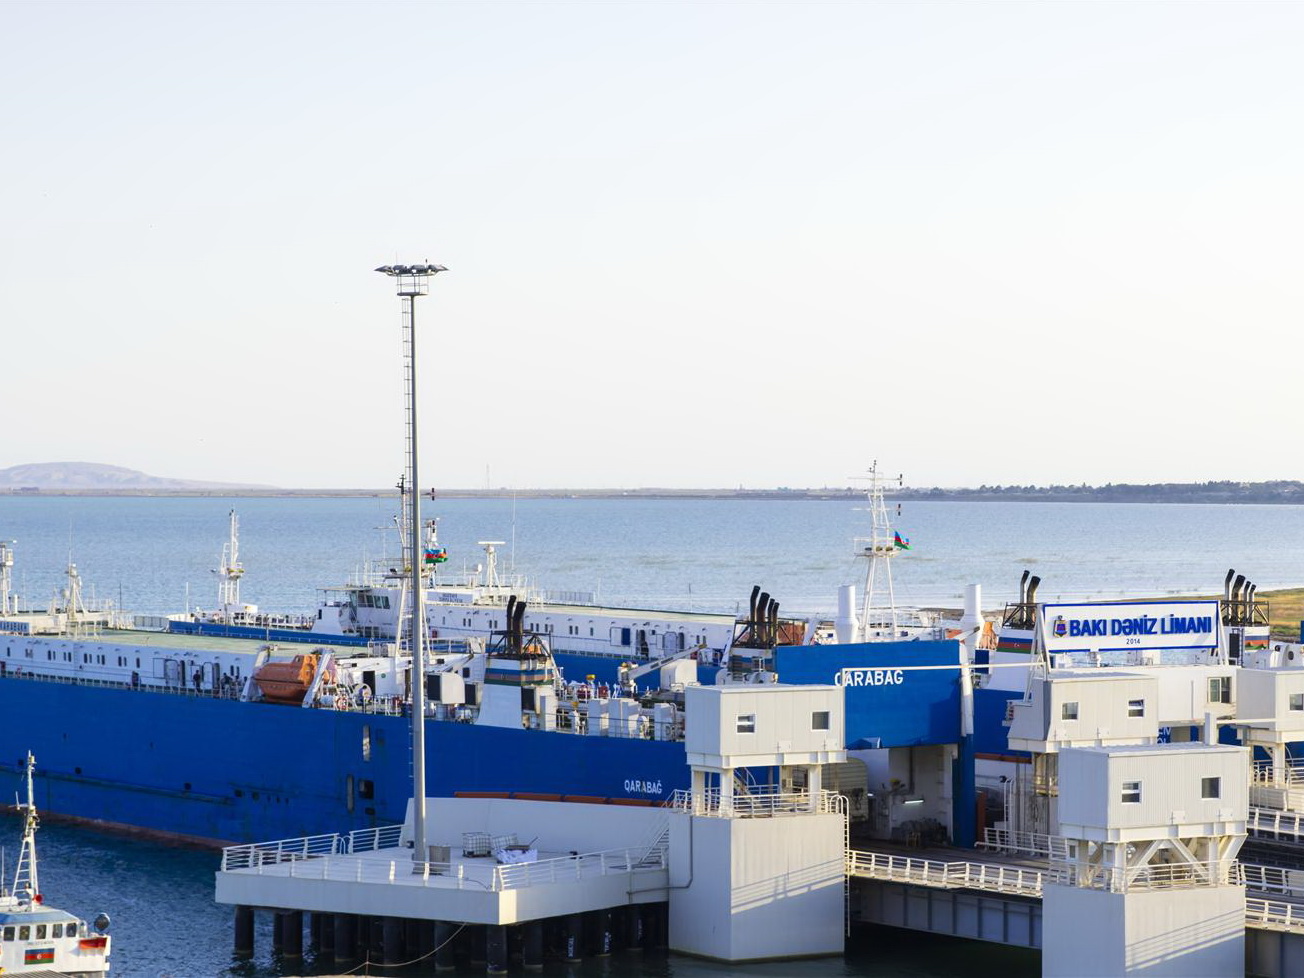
column 902, row 543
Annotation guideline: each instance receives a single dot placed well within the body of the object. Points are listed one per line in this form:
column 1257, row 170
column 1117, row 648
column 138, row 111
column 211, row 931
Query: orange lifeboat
column 286, row 682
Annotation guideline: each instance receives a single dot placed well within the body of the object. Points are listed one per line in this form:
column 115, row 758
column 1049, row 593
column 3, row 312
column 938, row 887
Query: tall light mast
column 414, row 280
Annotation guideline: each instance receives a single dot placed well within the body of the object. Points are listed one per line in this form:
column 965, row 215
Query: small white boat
column 36, row 938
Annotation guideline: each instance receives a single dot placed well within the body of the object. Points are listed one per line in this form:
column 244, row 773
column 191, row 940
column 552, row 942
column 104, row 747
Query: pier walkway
column 1019, row 867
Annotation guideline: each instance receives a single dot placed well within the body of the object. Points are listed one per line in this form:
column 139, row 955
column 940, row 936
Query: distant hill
column 92, row 476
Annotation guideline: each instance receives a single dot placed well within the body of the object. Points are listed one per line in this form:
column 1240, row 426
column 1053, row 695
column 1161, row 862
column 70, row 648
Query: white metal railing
column 993, row 877
column 1270, row 879
column 1029, row 843
column 1149, row 876
column 1274, row 915
column 1292, row 774
column 1275, row 822
column 369, row 840
column 285, row 850
column 757, row 802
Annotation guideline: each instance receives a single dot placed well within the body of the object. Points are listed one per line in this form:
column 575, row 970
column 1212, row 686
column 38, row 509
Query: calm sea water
column 157, row 555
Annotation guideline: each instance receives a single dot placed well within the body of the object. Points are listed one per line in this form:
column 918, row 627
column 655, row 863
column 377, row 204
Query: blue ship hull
column 224, row 771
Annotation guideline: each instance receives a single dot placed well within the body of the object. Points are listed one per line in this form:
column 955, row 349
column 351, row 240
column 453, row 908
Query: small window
column 56, row 930
column 819, row 720
column 366, row 742
column 1136, row 708
column 747, row 723
column 366, row 788
column 25, row 932
column 1069, row 711
column 1211, row 787
column 40, row 932
column 1297, row 701
column 9, row 933
column 1131, row 792
column 1220, row 689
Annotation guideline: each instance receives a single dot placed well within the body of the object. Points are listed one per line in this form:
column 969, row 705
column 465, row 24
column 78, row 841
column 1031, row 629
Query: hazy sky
column 690, row 244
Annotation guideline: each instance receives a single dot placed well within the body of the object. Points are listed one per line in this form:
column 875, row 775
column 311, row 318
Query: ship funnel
column 773, row 638
column 518, row 623
column 1023, row 587
column 1250, row 590
column 1227, row 584
column 1033, row 582
column 751, row 612
column 846, row 627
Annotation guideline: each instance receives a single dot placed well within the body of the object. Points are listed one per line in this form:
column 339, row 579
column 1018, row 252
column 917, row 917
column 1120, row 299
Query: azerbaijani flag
column 436, row 556
column 902, row 543
column 40, row 955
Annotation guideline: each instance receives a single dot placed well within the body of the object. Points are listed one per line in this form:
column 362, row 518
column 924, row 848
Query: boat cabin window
column 40, row 932
column 9, row 933
column 747, row 723
column 25, row 932
column 366, row 742
column 366, row 788
column 56, row 930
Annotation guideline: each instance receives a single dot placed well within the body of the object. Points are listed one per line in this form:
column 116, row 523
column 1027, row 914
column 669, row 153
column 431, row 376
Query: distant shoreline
column 1276, row 493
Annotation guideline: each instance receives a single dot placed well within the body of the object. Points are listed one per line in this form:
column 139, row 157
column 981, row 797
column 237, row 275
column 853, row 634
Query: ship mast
column 414, row 280
column 228, row 588
column 878, row 549
column 27, row 887
column 8, row 601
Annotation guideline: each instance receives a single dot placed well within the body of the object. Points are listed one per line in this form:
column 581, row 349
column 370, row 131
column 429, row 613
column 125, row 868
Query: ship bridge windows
column 9, row 933
column 40, row 932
